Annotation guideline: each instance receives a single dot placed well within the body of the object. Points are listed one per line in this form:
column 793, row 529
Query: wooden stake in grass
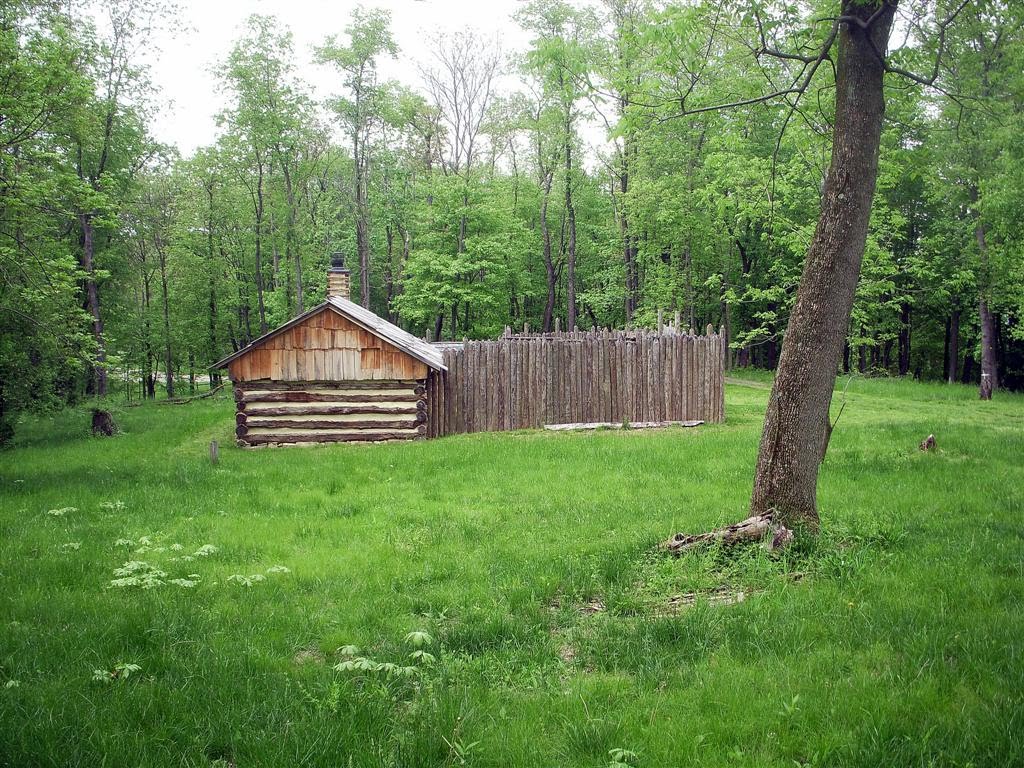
column 214, row 452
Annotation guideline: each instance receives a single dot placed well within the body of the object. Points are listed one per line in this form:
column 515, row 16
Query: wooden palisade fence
column 527, row 381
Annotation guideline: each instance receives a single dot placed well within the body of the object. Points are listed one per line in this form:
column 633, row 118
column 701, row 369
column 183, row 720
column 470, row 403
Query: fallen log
column 619, row 425
column 193, row 398
column 756, row 529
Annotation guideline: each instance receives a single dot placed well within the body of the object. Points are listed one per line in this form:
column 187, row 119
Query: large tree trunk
column 796, row 424
column 92, row 303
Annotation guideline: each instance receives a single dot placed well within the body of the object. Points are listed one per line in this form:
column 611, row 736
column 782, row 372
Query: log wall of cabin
column 277, row 412
column 326, row 347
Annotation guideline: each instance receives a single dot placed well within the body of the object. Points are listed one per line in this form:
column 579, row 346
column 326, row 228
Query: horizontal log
column 251, row 418
column 278, row 430
column 286, row 423
column 333, row 437
column 241, row 430
column 314, row 409
column 409, row 384
column 327, row 396
column 618, row 425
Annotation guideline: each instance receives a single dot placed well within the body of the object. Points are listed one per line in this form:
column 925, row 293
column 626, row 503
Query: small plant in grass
column 12, row 684
column 121, row 671
column 112, row 506
column 354, row 662
column 422, row 657
column 60, row 512
column 246, row 581
column 71, row 546
column 419, row 638
column 459, row 752
column 279, row 569
column 138, row 573
column 622, row 758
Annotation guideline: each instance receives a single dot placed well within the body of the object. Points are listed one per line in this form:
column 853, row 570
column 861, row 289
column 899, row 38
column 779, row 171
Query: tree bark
column 763, row 527
column 291, row 252
column 362, row 215
column 168, row 356
column 797, row 419
column 989, row 371
column 258, row 231
column 904, row 339
column 570, row 210
column 549, row 265
column 212, row 286
column 92, row 303
column 954, row 346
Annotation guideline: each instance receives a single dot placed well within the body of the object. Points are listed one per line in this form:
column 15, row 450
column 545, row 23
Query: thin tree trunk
column 954, row 346
column 168, row 357
column 92, row 303
column 259, row 254
column 292, row 253
column 148, row 376
column 989, row 370
column 570, row 210
column 549, row 265
column 212, row 319
column 904, row 340
column 389, row 271
column 796, row 427
column 362, row 216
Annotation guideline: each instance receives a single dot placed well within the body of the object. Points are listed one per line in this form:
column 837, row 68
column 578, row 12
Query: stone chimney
column 339, row 278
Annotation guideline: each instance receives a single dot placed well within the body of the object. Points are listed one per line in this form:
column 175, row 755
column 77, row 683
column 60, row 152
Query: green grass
column 895, row 639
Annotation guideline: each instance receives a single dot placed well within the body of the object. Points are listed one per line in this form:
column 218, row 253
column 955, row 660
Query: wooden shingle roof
column 365, row 319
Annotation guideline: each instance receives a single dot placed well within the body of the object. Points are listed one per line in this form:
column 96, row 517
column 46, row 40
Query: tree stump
column 103, row 423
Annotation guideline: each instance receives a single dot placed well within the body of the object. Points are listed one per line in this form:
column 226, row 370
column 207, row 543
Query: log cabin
column 337, row 373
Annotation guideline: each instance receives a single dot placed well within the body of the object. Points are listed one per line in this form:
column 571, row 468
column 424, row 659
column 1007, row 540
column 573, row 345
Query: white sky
column 182, row 63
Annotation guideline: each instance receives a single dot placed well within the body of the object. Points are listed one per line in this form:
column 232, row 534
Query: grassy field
column 504, row 599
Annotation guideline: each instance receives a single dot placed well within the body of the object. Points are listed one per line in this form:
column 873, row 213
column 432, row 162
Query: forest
column 472, row 199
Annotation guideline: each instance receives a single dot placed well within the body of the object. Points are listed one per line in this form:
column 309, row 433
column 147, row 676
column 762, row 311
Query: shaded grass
column 899, row 646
